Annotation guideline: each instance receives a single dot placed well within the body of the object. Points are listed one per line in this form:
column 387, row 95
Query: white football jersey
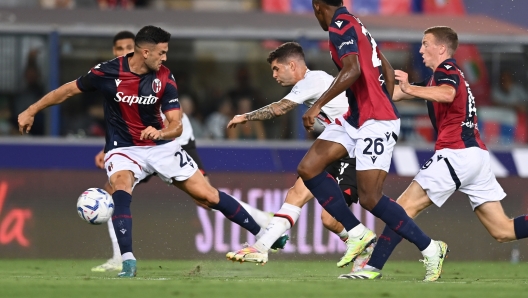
column 309, row 89
column 187, row 134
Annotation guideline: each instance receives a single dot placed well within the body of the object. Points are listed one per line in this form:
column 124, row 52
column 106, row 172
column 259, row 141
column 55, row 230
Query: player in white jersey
column 289, row 69
column 124, row 44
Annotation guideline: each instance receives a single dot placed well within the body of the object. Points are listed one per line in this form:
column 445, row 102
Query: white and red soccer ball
column 95, row 206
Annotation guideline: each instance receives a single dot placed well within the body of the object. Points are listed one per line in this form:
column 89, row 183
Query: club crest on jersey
column 156, row 85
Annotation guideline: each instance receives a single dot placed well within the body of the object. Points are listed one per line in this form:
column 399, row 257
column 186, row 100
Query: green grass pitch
column 164, row 278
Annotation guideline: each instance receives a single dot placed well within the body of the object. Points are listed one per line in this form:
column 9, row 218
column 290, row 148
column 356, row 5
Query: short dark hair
column 332, row 2
column 124, row 35
column 285, row 51
column 445, row 35
column 151, row 34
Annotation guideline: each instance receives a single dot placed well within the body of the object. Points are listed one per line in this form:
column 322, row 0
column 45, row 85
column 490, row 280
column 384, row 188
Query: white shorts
column 169, row 161
column 467, row 170
column 372, row 144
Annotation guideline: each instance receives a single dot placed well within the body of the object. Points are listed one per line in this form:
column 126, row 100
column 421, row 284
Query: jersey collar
column 339, row 11
column 126, row 66
column 449, row 60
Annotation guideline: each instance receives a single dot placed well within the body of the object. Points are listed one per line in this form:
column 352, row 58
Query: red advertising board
column 38, row 219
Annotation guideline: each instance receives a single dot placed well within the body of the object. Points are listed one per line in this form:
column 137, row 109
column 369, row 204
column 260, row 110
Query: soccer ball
column 95, row 206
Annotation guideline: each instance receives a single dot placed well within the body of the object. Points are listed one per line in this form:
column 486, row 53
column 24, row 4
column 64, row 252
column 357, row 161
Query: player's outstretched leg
column 274, row 237
column 283, row 220
column 201, row 191
column 115, row 263
column 500, row 226
column 261, row 218
column 327, row 192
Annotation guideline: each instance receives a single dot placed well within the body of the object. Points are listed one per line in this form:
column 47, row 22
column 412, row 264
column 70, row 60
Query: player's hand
column 99, row 160
column 309, row 117
column 150, row 133
column 25, row 122
column 238, row 119
column 403, row 78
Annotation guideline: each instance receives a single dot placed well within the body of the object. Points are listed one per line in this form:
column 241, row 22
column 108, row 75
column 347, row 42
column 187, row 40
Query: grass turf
column 164, row 278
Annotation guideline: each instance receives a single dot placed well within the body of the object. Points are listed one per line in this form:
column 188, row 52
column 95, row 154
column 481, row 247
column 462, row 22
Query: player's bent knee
column 304, row 171
column 122, row 186
column 502, row 237
column 412, row 210
column 327, row 219
column 368, row 203
column 297, row 197
column 210, row 197
column 503, row 233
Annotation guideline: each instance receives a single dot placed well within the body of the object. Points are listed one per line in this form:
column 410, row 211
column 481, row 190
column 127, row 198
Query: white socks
column 128, row 256
column 357, row 231
column 283, row 220
column 370, row 268
column 431, row 250
column 343, row 235
column 261, row 218
column 113, row 237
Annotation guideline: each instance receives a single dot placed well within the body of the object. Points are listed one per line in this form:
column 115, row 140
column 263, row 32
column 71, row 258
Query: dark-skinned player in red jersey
column 461, row 160
column 137, row 89
column 368, row 131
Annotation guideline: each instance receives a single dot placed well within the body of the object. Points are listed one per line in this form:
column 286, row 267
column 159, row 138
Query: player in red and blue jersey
column 136, row 88
column 123, row 44
column 461, row 160
column 368, row 131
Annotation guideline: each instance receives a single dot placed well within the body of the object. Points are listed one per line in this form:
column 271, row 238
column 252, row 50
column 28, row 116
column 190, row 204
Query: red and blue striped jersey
column 132, row 102
column 456, row 122
column 368, row 97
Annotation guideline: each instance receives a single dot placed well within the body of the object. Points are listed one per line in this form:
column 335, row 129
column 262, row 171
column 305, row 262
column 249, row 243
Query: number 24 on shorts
column 183, row 163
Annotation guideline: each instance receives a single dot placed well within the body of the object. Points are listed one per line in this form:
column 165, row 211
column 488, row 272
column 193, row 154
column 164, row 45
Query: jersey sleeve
column 90, row 81
column 169, row 99
column 344, row 37
column 305, row 90
column 446, row 74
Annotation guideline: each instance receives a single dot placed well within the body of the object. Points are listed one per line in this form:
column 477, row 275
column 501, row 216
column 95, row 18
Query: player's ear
column 316, row 6
column 292, row 65
column 145, row 52
column 443, row 49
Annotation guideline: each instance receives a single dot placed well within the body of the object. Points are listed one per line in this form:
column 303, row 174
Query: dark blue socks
column 386, row 244
column 397, row 219
column 326, row 190
column 233, row 211
column 520, row 225
column 122, row 220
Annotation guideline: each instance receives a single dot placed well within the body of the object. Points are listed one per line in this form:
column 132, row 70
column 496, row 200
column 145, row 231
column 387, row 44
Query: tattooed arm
column 270, row 111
